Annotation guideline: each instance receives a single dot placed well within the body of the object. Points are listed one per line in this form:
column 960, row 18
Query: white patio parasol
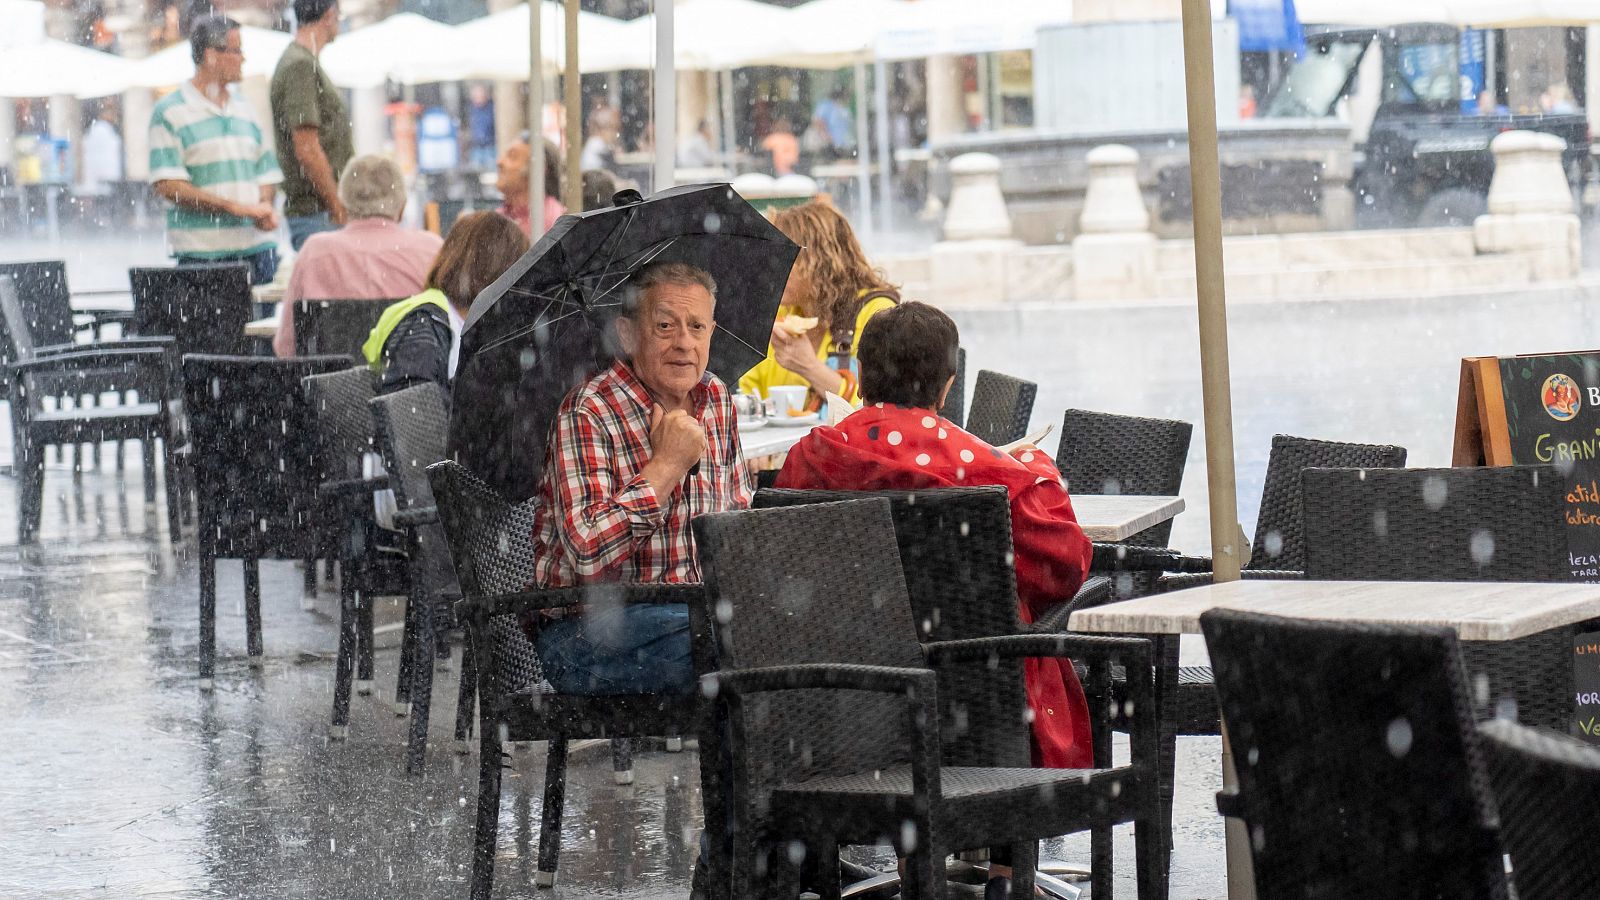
column 406, row 47
column 175, row 65
column 50, row 67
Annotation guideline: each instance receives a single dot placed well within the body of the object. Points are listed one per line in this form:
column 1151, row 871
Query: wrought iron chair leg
column 555, row 796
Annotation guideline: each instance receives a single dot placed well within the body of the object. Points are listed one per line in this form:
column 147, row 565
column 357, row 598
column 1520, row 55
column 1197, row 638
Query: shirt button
column 1048, row 711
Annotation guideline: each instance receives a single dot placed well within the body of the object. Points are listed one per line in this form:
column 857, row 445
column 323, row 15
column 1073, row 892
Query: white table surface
column 1107, row 517
column 264, row 328
column 1478, row 611
column 770, row 440
column 268, row 293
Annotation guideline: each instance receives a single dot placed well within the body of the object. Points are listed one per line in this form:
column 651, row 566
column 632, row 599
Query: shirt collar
column 195, row 95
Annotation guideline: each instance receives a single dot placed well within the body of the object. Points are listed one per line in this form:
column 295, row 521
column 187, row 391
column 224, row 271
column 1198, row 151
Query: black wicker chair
column 1359, row 770
column 1001, row 407
column 955, row 551
column 73, row 377
column 370, row 565
column 1104, row 453
column 955, row 403
column 1463, row 524
column 411, row 427
column 1547, row 788
column 256, row 493
column 47, row 303
column 335, row 326
column 204, row 308
column 837, row 726
column 493, row 555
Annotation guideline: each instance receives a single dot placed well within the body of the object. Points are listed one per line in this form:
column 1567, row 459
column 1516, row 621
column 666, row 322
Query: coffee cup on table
column 787, row 400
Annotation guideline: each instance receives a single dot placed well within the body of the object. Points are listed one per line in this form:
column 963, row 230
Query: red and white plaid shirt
column 598, row 519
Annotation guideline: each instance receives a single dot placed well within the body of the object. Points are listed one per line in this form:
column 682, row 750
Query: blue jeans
column 263, row 263
column 302, row 227
column 624, row 649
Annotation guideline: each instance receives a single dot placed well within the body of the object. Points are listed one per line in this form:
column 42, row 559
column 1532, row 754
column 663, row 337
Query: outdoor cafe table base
column 1517, row 638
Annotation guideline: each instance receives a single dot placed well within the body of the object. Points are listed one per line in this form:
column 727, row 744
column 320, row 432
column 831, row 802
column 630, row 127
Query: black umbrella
column 544, row 326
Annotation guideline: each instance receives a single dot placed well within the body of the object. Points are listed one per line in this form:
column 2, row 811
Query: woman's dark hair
column 907, row 355
column 209, row 33
column 480, row 248
column 599, row 186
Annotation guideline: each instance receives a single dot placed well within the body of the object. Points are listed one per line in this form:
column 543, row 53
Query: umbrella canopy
column 937, row 27
column 52, row 67
column 21, row 22
column 710, row 34
column 1476, row 13
column 367, row 57
column 174, row 65
column 544, row 327
column 498, row 44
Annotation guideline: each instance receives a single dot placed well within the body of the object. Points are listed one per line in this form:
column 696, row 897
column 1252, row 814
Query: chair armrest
column 1095, row 591
column 1168, row 583
column 917, row 684
column 1229, row 805
column 422, row 515
column 1130, row 652
column 87, row 356
column 561, row 598
column 101, row 315
column 160, row 342
column 1126, row 558
column 352, row 487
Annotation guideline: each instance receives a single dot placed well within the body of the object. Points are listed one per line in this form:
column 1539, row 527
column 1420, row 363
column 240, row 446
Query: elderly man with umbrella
column 608, row 340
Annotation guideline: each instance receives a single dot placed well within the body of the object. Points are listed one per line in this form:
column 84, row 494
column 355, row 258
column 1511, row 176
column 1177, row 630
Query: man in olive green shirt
column 311, row 124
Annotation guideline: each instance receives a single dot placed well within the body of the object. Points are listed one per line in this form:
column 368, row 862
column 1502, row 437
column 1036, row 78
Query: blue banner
column 1268, row 25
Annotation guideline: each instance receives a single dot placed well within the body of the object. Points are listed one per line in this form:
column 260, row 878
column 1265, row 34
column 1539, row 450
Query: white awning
column 50, row 67
column 1464, row 13
column 175, row 65
column 937, row 27
column 368, row 57
column 496, row 46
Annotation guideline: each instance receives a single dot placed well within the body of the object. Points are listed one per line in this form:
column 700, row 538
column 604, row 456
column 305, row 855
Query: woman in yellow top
column 833, row 282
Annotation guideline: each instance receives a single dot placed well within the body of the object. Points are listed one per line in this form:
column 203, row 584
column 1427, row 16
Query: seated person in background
column 373, row 257
column 832, row 282
column 635, row 454
column 513, row 186
column 899, row 442
column 599, row 186
column 417, row 339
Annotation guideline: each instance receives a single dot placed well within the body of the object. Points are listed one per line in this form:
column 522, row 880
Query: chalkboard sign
column 1517, row 410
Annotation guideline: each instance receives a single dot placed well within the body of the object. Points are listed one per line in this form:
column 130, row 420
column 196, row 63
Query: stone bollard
column 968, row 267
column 1114, row 255
column 1531, row 206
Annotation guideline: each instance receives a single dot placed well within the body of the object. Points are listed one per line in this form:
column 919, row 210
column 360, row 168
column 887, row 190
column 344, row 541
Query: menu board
column 1519, row 410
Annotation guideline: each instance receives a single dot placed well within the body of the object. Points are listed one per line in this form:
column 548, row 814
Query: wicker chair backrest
column 340, row 404
column 410, row 426
column 840, row 599
column 1002, row 406
column 335, row 326
column 1280, row 541
column 204, row 308
column 1547, row 787
column 1359, row 772
column 255, row 451
column 955, row 402
column 45, row 300
column 1462, row 524
column 955, row 551
column 1104, row 453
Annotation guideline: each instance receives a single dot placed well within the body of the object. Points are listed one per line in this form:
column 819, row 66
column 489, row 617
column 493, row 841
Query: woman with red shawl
column 898, row 441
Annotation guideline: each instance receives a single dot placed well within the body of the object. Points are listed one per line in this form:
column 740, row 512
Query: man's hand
column 261, row 214
column 677, row 443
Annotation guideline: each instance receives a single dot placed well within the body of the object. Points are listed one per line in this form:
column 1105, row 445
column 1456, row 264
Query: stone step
column 1416, row 277
column 1342, row 248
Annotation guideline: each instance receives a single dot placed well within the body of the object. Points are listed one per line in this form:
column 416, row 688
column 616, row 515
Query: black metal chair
column 836, row 727
column 72, row 377
column 47, row 303
column 1359, row 770
column 956, row 554
column 370, row 565
column 1547, row 788
column 493, row 555
column 411, row 427
column 955, row 403
column 1001, row 407
column 1462, row 524
column 257, row 489
column 1104, row 453
column 335, row 326
column 204, row 308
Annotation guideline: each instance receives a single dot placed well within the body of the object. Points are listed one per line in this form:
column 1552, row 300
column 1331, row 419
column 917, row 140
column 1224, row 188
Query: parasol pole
column 536, row 221
column 863, row 153
column 665, row 107
column 574, row 103
column 1205, row 181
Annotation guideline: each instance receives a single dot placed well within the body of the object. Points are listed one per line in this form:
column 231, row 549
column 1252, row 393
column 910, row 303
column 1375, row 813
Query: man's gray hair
column 659, row 273
column 373, row 186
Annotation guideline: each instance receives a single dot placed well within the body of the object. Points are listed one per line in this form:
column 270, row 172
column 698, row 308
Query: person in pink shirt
column 372, row 257
column 513, row 186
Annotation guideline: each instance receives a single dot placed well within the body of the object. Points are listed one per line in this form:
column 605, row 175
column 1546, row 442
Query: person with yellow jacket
column 833, row 283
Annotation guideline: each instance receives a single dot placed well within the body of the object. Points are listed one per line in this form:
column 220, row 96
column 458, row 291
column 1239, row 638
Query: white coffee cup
column 787, row 398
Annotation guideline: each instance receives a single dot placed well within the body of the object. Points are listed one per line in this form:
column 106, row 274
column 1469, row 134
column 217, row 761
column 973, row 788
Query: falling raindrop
column 1434, row 492
column 1482, row 547
column 1399, row 737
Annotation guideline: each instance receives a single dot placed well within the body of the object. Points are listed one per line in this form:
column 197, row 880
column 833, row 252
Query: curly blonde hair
column 832, row 269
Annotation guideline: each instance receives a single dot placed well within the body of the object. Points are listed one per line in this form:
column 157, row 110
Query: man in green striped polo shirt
column 210, row 162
